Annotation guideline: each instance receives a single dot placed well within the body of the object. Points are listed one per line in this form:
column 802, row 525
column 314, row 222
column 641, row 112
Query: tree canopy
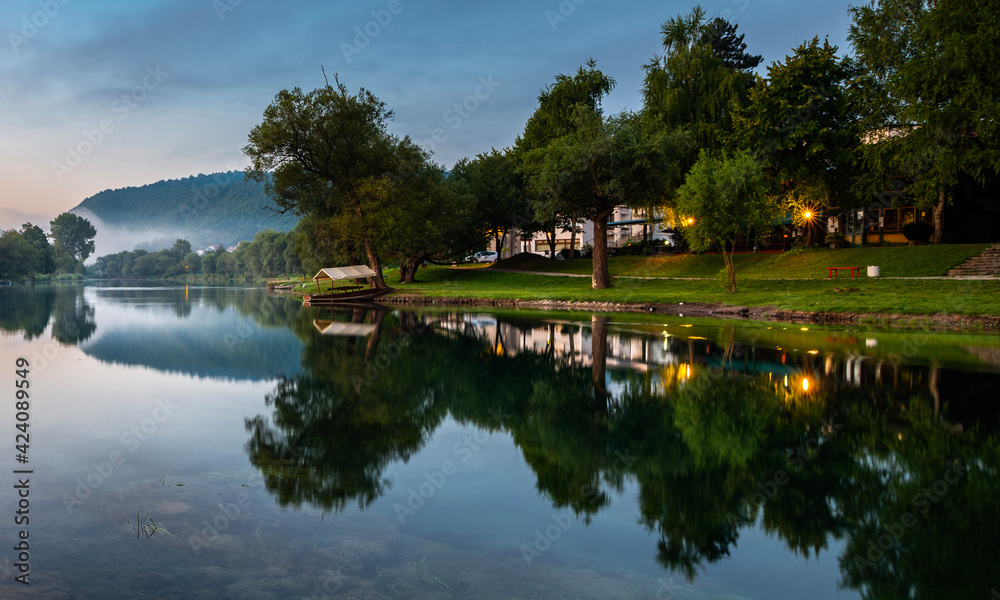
column 330, row 158
column 930, row 90
column 73, row 238
column 802, row 123
column 726, row 197
column 695, row 86
column 581, row 163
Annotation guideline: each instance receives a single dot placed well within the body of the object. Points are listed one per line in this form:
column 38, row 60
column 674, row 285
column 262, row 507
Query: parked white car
column 482, row 257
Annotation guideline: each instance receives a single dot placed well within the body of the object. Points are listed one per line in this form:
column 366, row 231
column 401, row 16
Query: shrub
column 836, row 240
column 918, row 232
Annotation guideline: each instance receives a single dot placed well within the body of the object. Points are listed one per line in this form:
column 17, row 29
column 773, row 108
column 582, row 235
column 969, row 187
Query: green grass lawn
column 860, row 295
column 759, row 281
column 896, row 261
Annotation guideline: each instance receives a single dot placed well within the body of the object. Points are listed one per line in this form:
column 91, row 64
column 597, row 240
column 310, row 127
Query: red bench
column 833, row 271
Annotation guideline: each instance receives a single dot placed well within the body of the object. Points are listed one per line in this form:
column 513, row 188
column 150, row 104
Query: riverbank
column 962, row 305
column 936, row 321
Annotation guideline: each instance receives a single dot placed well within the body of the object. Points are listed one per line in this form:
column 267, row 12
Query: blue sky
column 160, row 89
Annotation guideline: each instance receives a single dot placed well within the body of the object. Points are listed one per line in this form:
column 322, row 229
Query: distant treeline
column 269, row 254
column 28, row 252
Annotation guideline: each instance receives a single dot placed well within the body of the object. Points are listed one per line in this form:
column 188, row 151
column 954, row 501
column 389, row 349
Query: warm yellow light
column 805, row 385
column 807, row 214
column 690, row 221
column 687, row 371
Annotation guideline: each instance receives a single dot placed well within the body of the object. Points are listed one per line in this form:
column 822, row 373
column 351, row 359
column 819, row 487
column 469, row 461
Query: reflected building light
column 871, row 342
column 805, row 329
column 805, row 384
column 813, row 352
column 786, row 380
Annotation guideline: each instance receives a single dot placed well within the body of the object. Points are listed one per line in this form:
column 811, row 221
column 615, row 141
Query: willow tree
column 694, row 86
column 332, row 161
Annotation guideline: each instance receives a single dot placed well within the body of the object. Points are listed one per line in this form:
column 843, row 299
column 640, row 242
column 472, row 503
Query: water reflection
column 223, row 333
column 812, row 438
column 29, row 312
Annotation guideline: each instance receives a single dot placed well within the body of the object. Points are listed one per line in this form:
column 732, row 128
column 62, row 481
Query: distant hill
column 222, row 208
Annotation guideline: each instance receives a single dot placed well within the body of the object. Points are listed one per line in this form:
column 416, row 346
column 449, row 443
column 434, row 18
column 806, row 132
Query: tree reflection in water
column 718, row 437
column 29, row 310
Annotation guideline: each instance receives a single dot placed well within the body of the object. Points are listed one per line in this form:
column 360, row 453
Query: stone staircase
column 984, row 264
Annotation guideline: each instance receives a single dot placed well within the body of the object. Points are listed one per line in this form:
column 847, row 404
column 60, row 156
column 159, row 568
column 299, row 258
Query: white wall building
column 624, row 225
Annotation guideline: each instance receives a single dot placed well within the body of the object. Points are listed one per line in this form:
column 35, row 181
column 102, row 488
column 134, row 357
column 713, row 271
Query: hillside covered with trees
column 222, row 208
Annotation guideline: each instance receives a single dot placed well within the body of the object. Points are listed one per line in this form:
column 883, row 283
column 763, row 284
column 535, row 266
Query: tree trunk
column 408, row 269
column 730, row 266
column 572, row 238
column 601, row 279
column 550, row 236
column 939, row 217
column 378, row 281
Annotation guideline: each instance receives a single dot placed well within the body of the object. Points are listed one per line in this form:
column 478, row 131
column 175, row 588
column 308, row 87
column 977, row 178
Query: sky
column 106, row 94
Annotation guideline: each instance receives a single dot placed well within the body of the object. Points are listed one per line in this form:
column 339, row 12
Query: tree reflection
column 30, row 310
column 719, row 441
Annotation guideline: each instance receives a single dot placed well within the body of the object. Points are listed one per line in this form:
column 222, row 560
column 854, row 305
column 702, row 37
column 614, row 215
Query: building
column 625, row 225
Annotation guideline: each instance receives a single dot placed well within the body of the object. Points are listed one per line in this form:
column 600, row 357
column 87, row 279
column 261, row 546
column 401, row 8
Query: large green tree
column 802, row 123
column 18, row 258
column 501, row 199
column 931, row 94
column 37, row 238
column 73, row 238
column 331, row 160
column 430, row 218
column 726, row 197
column 579, row 163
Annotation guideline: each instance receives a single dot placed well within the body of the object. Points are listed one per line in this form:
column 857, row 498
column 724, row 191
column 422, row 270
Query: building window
column 906, row 216
column 890, row 219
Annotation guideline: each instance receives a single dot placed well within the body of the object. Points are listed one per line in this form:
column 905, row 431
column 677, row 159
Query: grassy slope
column 806, row 289
column 868, row 295
column 899, row 261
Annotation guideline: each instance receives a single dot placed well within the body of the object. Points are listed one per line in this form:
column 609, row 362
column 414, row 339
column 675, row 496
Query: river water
column 222, row 443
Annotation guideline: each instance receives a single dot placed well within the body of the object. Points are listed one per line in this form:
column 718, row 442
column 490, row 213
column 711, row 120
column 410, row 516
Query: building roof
column 352, row 272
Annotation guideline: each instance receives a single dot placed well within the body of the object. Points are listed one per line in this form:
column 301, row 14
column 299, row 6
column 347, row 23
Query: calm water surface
column 221, row 443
